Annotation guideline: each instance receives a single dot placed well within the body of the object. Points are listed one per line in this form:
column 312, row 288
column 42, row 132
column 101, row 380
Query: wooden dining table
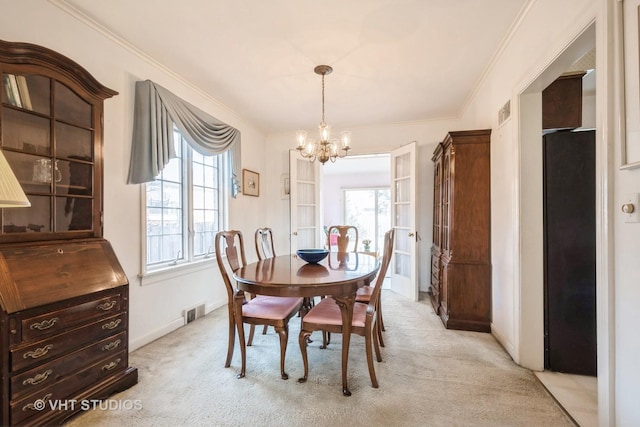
column 339, row 276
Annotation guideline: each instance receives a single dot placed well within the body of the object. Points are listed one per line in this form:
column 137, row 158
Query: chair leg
column 284, row 335
column 379, row 309
column 326, row 339
column 378, row 331
column 368, row 337
column 302, row 340
column 377, row 337
column 232, row 339
column 238, row 300
column 252, row 329
column 264, row 330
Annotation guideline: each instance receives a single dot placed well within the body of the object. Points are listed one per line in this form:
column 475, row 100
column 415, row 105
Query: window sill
column 174, row 271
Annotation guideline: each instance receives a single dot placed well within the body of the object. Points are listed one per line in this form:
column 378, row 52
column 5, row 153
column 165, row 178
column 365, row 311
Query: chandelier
column 326, row 148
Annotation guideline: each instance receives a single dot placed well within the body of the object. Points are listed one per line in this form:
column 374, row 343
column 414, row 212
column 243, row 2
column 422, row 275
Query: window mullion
column 188, row 200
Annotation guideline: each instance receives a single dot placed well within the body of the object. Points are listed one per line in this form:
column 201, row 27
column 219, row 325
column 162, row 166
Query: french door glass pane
column 306, row 216
column 306, row 237
column 305, row 170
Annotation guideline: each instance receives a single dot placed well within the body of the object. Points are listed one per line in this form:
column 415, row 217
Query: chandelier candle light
column 326, row 148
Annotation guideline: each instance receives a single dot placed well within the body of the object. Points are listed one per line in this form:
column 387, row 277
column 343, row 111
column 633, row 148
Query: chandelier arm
column 346, row 151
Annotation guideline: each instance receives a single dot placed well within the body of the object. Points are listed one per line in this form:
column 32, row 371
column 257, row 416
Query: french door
column 304, row 178
column 403, row 218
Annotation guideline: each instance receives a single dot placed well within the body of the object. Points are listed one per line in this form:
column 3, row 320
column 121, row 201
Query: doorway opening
column 355, row 191
column 532, row 259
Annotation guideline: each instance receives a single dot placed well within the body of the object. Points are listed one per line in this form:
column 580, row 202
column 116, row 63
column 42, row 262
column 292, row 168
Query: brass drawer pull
column 44, row 325
column 38, row 352
column 38, row 378
column 111, row 345
column 112, row 325
column 38, row 404
column 107, row 306
column 111, row 365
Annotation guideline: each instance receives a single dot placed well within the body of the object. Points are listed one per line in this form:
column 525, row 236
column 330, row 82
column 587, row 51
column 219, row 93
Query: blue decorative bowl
column 312, row 256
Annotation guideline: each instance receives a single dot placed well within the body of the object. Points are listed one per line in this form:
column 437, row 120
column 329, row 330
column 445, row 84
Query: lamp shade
column 11, row 194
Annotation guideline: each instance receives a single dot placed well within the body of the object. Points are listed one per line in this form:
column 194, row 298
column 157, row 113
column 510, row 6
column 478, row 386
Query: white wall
column 155, row 309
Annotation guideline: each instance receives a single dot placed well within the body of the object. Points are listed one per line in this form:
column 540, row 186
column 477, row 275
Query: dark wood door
column 570, row 251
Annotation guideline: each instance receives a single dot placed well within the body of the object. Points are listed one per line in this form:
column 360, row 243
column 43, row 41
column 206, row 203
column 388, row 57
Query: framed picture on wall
column 250, row 183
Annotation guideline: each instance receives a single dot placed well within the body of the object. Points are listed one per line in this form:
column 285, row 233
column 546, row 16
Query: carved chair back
column 347, row 236
column 264, row 243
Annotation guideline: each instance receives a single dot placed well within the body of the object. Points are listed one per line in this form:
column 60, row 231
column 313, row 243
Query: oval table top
column 288, row 275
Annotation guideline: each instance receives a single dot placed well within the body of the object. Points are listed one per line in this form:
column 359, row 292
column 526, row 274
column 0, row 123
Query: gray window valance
column 156, row 111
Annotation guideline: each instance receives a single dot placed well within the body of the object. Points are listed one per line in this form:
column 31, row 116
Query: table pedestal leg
column 346, row 309
column 238, row 300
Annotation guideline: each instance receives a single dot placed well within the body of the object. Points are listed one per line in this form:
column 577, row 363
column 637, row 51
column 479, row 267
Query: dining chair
column 264, row 243
column 257, row 309
column 364, row 296
column 347, row 235
column 264, row 249
column 326, row 316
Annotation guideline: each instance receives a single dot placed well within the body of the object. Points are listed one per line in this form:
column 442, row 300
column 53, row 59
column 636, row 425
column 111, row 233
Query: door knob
column 295, row 233
column 411, row 234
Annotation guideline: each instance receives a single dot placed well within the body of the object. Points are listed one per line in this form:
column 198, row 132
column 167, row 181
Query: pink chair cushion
column 270, row 307
column 327, row 312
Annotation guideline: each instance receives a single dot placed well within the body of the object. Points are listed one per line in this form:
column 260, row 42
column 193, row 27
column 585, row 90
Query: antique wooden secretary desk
column 63, row 294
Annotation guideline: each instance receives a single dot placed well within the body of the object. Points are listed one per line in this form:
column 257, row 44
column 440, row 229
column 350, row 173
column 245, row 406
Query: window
column 185, row 207
column 369, row 210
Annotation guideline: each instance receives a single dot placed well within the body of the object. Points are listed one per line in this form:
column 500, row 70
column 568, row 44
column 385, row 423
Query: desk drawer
column 39, row 327
column 26, row 356
column 43, row 401
column 48, row 373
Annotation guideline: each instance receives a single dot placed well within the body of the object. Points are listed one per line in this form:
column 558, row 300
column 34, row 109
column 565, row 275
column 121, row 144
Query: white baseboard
column 155, row 334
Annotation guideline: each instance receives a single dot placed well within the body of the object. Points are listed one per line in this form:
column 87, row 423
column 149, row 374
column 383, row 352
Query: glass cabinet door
column 48, row 137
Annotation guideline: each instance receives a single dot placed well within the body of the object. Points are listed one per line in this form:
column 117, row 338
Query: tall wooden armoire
column 436, row 247
column 462, row 294
column 64, row 297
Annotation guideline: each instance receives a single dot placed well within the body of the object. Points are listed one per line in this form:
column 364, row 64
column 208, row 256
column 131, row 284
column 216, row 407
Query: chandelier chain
column 323, row 122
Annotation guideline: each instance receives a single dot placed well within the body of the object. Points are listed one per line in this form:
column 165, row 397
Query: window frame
column 187, row 261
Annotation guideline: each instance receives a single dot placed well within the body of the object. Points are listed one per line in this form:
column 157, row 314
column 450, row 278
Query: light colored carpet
column 430, row 376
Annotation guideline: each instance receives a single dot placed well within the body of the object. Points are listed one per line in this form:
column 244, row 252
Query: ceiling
column 393, row 60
